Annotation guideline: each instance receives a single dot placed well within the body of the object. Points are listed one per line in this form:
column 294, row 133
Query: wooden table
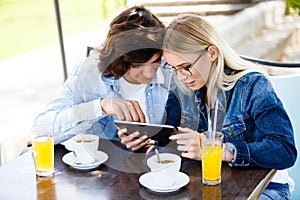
column 118, row 178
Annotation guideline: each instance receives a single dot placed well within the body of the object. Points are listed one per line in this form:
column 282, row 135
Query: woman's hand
column 133, row 142
column 188, row 142
column 127, row 110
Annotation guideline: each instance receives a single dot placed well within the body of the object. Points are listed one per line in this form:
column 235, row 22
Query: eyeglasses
column 185, row 71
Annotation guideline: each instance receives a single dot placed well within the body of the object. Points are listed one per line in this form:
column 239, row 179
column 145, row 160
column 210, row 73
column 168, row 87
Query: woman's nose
column 149, row 71
column 181, row 76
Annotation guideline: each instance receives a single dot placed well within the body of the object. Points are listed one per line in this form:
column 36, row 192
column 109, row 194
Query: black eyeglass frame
column 182, row 70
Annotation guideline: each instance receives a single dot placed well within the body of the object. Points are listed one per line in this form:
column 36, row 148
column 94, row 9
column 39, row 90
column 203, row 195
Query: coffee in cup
column 166, row 171
column 84, row 146
column 167, row 161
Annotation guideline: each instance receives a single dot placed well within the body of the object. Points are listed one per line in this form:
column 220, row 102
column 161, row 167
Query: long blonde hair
column 190, row 33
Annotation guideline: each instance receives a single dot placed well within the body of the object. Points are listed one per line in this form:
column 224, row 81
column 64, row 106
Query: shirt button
column 148, row 94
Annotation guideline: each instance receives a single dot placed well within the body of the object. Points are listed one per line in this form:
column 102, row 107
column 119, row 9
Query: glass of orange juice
column 211, row 155
column 43, row 151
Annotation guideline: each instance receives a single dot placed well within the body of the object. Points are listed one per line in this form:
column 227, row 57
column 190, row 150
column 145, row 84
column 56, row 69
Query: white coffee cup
column 84, row 146
column 166, row 172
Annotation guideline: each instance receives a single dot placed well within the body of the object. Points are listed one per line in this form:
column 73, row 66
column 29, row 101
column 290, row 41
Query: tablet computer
column 159, row 133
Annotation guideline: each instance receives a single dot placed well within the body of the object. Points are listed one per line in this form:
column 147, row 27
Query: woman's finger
column 134, row 144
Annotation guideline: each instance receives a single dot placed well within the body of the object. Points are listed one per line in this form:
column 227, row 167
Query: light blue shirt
column 77, row 109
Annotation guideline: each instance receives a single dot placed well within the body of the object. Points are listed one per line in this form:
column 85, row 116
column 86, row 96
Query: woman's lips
column 190, row 84
column 147, row 80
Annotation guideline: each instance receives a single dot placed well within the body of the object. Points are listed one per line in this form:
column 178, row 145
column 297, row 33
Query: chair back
column 287, row 90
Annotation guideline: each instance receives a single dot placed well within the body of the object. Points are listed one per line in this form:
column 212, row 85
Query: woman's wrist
column 227, row 155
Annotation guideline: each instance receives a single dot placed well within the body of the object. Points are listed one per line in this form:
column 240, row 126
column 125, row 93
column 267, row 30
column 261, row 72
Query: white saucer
column 147, row 181
column 69, row 159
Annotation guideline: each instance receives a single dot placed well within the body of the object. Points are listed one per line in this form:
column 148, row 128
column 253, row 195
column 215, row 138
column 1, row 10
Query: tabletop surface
column 118, row 178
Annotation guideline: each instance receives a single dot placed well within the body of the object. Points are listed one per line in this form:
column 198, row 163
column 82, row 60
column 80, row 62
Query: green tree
column 292, row 7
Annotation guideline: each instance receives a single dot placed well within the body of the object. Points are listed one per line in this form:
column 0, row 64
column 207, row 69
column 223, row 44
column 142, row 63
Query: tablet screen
column 159, row 133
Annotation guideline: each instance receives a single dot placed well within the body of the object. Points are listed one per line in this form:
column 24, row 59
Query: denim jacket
column 256, row 124
column 77, row 109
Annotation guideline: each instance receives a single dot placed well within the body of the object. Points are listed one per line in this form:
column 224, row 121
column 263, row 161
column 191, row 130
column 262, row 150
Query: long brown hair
column 135, row 35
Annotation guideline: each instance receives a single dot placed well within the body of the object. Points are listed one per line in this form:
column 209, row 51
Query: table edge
column 262, row 185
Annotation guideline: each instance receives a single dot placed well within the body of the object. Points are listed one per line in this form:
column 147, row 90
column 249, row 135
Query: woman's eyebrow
column 181, row 64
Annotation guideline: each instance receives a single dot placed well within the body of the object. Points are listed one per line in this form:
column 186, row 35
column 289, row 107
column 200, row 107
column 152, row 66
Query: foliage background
column 30, row 24
column 293, row 7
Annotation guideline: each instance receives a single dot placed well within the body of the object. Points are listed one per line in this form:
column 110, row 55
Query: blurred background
column 31, row 24
column 30, row 57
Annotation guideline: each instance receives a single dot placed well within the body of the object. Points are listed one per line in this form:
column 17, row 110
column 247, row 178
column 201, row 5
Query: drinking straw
column 169, row 84
column 157, row 155
column 215, row 121
column 216, row 114
column 51, row 133
column 209, row 119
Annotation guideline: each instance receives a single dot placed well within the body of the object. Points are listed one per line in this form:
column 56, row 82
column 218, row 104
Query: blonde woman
column 256, row 127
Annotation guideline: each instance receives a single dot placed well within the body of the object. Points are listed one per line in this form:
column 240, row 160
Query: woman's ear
column 213, row 52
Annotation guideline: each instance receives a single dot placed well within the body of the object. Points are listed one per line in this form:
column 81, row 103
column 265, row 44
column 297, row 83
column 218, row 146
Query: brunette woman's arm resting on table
column 69, row 111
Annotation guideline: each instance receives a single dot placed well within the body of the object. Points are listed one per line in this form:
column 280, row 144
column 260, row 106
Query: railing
column 255, row 60
column 88, row 50
column 272, row 63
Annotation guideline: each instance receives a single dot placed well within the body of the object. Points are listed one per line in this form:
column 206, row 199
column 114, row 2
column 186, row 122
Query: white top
column 282, row 176
column 134, row 92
